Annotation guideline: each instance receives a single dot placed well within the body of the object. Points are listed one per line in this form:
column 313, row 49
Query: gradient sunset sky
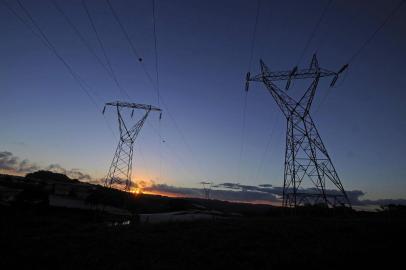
column 204, row 52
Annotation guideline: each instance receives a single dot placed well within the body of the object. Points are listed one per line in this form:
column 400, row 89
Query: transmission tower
column 306, row 158
column 120, row 169
column 207, row 189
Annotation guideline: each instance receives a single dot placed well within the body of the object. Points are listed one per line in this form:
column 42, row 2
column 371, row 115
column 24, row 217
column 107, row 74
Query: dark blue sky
column 204, row 49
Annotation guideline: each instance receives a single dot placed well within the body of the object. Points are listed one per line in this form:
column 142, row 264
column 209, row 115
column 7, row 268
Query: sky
column 204, row 50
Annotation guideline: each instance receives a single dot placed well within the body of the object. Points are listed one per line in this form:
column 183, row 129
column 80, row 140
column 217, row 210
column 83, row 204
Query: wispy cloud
column 225, row 191
column 264, row 193
column 384, row 201
column 72, row 173
column 13, row 164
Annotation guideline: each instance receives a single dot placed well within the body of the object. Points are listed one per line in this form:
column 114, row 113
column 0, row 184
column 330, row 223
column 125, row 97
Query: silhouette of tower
column 306, row 158
column 207, row 189
column 120, row 169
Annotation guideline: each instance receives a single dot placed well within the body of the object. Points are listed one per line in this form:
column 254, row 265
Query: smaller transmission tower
column 207, row 189
column 120, row 169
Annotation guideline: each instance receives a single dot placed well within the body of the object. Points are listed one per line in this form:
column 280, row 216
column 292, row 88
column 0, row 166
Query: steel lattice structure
column 207, row 186
column 306, row 157
column 120, row 169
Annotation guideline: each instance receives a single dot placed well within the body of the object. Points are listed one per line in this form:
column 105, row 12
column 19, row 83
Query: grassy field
column 71, row 239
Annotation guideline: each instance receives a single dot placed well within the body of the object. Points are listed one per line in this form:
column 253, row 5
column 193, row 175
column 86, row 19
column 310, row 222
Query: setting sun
column 136, row 191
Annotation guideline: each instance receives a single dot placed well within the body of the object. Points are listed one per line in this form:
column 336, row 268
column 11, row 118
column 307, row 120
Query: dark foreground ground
column 72, row 239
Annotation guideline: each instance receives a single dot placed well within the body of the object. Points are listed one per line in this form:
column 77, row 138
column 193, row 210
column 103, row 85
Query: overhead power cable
column 267, row 148
column 364, row 45
column 133, row 49
column 254, row 34
column 87, row 45
column 173, row 154
column 157, row 81
column 372, row 36
column 93, row 26
column 40, row 34
column 244, row 108
column 313, row 33
column 156, row 49
column 49, row 45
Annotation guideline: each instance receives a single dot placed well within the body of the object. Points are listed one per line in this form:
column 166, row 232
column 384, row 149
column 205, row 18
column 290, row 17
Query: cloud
column 384, row 201
column 9, row 162
column 144, row 183
column 244, row 193
column 206, row 183
column 230, row 192
column 72, row 173
column 13, row 164
column 250, row 188
column 180, row 191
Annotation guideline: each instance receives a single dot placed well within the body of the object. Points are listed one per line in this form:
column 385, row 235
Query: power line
column 84, row 41
column 171, row 149
column 368, row 40
column 93, row 26
column 244, row 116
column 244, row 108
column 21, row 19
column 267, row 147
column 157, row 82
column 364, row 45
column 325, row 33
column 254, row 34
column 313, row 33
column 47, row 43
column 156, row 49
column 79, row 34
column 133, row 49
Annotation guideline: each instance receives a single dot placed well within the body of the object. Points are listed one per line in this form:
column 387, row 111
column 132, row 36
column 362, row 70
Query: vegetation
column 45, row 238
column 36, row 236
column 47, row 176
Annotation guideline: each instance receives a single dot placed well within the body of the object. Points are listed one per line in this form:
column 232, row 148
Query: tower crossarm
column 313, row 72
column 287, row 75
column 286, row 103
column 133, row 106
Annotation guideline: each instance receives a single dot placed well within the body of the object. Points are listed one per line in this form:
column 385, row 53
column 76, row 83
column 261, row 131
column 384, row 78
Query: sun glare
column 136, row 191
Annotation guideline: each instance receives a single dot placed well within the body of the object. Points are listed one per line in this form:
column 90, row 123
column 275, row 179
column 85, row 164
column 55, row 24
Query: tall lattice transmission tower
column 306, row 158
column 119, row 175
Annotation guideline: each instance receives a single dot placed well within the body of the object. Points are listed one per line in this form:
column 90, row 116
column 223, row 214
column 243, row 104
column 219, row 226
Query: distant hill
column 42, row 184
column 48, row 175
column 46, row 182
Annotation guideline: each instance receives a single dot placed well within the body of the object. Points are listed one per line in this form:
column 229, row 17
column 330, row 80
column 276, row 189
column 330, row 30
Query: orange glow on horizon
column 176, row 195
column 141, row 191
column 136, row 191
column 167, row 194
